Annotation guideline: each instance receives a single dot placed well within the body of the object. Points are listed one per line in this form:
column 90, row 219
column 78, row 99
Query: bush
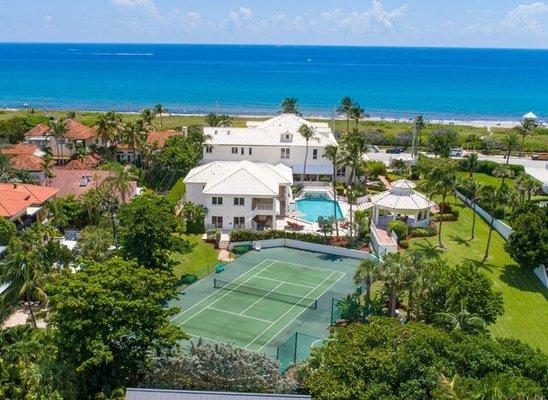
column 399, row 228
column 404, row 244
column 445, row 208
column 423, row 232
column 188, row 279
column 243, row 235
column 445, row 217
column 241, row 249
column 499, row 213
column 455, row 213
column 177, row 192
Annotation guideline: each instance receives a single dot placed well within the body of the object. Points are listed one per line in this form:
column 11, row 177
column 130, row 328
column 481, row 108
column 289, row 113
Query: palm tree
column 473, row 189
column 357, row 113
column 441, row 180
column 366, row 272
column 491, row 195
column 525, row 128
column 134, row 134
column 160, row 110
column 333, row 154
column 471, row 163
column 526, row 186
column 418, row 124
column 355, row 145
column 350, row 194
column 308, row 133
column 289, row 106
column 58, row 130
column 394, row 273
column 147, row 116
column 120, row 180
column 510, row 142
column 345, row 106
column 109, row 126
column 461, row 321
column 47, row 166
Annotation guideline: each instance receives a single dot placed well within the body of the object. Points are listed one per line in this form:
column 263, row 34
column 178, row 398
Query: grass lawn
column 525, row 299
column 485, row 179
column 200, row 261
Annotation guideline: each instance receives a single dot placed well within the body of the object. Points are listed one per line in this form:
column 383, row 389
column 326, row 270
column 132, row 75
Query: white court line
column 297, row 316
column 291, row 308
column 266, row 294
column 240, row 315
column 302, row 265
column 216, row 291
column 289, row 283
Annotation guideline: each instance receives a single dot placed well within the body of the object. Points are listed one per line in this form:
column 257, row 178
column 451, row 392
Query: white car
column 456, row 153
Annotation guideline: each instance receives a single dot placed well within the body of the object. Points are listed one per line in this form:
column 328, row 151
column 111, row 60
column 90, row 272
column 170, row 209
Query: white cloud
column 147, row 5
column 525, row 17
column 240, row 17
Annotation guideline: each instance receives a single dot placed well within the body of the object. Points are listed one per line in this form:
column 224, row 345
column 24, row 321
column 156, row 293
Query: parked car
column 456, row 153
column 540, row 156
column 375, row 148
column 394, row 150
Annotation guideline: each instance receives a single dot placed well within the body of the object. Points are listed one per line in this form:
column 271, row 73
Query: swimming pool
column 310, row 208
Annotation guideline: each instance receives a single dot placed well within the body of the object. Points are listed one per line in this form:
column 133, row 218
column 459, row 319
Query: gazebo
column 402, row 202
column 530, row 116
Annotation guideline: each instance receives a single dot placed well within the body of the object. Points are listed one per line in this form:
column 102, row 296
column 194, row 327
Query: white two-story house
column 240, row 194
column 273, row 141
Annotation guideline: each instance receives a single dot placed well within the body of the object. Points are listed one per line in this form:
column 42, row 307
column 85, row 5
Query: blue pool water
column 310, row 208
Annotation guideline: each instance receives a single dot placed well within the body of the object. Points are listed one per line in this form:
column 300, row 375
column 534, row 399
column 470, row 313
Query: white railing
column 379, row 245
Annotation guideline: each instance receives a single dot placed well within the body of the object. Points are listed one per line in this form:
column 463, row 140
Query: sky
column 454, row 23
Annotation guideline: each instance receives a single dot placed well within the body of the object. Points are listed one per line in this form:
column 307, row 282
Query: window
column 315, row 154
column 285, row 153
column 239, row 201
column 234, row 150
column 242, row 151
column 341, row 172
column 217, row 222
column 217, row 201
column 250, row 151
column 239, row 222
column 209, row 149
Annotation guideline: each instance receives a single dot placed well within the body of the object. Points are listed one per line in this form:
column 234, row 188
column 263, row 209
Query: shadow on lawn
column 459, row 240
column 427, row 249
column 522, row 279
column 481, row 264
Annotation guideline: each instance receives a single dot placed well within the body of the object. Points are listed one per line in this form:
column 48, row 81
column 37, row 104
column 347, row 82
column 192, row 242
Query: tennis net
column 255, row 291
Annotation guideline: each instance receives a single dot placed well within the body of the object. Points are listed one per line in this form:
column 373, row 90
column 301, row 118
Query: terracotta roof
column 27, row 162
column 15, row 198
column 91, row 161
column 20, row 149
column 38, row 130
column 159, row 137
column 78, row 131
column 79, row 181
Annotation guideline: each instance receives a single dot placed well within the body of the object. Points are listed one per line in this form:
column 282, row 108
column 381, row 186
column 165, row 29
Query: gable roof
column 78, row 131
column 240, row 178
column 16, row 197
column 159, row 137
column 90, row 161
column 22, row 149
column 38, row 130
column 27, row 162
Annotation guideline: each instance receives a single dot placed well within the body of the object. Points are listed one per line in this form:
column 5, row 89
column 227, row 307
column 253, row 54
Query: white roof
column 402, row 197
column 271, row 133
column 530, row 115
column 243, row 178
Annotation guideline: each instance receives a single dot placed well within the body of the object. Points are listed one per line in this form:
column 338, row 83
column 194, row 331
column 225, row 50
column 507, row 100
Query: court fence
column 295, row 349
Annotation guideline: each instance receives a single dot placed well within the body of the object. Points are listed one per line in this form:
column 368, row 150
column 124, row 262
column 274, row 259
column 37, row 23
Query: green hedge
column 487, row 167
column 241, row 235
column 177, row 192
column 423, row 232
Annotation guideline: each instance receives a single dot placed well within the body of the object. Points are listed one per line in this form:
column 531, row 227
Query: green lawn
column 525, row 299
column 200, row 261
column 485, row 179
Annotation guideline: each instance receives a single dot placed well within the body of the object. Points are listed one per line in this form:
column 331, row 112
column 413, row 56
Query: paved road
column 537, row 169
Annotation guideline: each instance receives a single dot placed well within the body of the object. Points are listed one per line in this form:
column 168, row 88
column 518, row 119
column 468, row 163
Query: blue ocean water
column 386, row 81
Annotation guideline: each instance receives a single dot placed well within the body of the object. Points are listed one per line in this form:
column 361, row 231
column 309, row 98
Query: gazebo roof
column 402, row 198
column 530, row 115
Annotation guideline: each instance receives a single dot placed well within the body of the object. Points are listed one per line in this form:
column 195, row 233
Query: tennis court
column 261, row 298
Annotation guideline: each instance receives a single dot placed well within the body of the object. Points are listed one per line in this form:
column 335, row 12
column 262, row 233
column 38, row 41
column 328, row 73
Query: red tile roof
column 20, row 149
column 159, row 138
column 38, row 130
column 78, row 131
column 15, row 198
column 27, row 162
column 91, row 161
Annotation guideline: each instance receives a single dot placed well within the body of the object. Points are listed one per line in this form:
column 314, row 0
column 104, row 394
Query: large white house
column 273, row 141
column 240, row 194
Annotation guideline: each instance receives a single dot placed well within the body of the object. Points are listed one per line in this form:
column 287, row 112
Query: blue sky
column 467, row 23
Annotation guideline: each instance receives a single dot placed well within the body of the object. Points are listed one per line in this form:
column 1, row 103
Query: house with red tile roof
column 26, row 157
column 22, row 149
column 62, row 148
column 156, row 140
column 23, row 203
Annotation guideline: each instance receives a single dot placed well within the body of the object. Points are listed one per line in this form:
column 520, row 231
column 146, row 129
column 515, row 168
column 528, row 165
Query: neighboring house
column 77, row 182
column 21, row 149
column 23, row 203
column 240, row 194
column 274, row 141
column 90, row 161
column 155, row 139
column 63, row 148
column 26, row 157
column 162, row 394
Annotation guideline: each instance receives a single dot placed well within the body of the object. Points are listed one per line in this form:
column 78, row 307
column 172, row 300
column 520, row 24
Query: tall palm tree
column 357, row 113
column 134, row 134
column 366, row 273
column 345, row 106
column 308, row 133
column 355, row 145
column 473, row 189
column 510, row 142
column 58, row 131
column 351, row 197
column 147, row 116
column 120, row 180
column 289, row 106
column 525, row 128
column 471, row 163
column 418, row 124
column 394, row 273
column 160, row 110
column 109, row 126
column 526, row 186
column 47, row 166
column 333, row 154
column 491, row 195
column 461, row 321
column 441, row 180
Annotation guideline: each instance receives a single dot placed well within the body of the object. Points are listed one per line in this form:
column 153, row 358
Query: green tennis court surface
column 262, row 298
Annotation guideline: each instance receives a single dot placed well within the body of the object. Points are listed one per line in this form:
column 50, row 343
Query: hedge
column 177, row 192
column 487, row 167
column 242, row 235
column 423, row 232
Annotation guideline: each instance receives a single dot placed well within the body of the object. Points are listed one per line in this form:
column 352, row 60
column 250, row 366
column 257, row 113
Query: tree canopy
column 528, row 244
column 441, row 141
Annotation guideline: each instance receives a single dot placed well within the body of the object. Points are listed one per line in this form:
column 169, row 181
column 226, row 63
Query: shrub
column 455, row 213
column 188, row 279
column 423, row 232
column 445, row 217
column 399, row 228
column 241, row 249
column 404, row 244
column 242, row 235
column 499, row 213
column 445, row 208
column 177, row 192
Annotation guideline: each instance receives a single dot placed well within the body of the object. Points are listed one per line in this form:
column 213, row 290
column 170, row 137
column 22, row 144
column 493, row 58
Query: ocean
column 464, row 84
